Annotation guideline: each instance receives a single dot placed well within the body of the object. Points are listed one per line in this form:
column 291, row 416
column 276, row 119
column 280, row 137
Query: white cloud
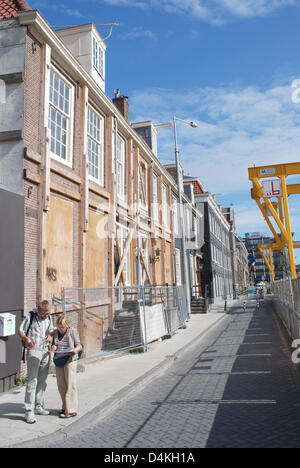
column 248, row 216
column 127, row 3
column 237, row 128
column 251, row 8
column 213, row 11
column 63, row 8
column 250, row 219
column 71, row 12
column 138, row 32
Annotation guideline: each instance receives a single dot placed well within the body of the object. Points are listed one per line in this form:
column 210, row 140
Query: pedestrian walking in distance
column 66, row 346
column 36, row 333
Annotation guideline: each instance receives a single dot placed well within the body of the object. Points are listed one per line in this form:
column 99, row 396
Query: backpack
column 80, row 352
column 32, row 316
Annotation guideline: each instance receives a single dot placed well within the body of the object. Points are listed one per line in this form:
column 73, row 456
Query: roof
column 10, row 8
column 198, row 187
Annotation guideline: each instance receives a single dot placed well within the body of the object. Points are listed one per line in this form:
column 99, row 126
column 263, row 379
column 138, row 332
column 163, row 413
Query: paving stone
column 242, row 390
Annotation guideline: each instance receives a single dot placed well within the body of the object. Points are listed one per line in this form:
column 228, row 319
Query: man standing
column 35, row 332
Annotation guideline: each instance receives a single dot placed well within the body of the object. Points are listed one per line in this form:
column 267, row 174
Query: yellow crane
column 269, row 182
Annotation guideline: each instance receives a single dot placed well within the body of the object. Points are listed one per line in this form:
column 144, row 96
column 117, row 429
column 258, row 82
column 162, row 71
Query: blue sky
column 229, row 65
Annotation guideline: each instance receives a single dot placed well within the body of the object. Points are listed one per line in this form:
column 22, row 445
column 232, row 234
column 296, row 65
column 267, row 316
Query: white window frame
column 55, row 104
column 165, row 207
column 120, row 166
column 175, row 215
column 178, row 266
column 143, row 175
column 95, row 137
column 188, row 214
column 155, row 210
column 98, row 57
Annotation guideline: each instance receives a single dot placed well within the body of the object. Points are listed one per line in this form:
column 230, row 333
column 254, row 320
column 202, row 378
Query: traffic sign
column 272, row 188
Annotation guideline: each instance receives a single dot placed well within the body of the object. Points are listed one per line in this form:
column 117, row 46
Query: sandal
column 67, row 415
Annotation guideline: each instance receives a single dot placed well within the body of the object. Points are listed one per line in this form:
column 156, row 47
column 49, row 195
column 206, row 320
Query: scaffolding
column 269, row 182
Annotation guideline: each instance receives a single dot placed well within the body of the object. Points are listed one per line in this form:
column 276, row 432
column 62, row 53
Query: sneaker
column 42, row 411
column 30, row 418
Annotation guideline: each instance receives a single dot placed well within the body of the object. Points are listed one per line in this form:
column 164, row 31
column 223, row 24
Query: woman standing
column 66, row 345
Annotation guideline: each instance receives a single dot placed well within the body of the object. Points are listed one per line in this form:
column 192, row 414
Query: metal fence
column 111, row 319
column 287, row 304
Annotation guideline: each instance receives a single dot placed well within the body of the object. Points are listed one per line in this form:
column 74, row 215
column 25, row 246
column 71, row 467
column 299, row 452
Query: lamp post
column 180, row 187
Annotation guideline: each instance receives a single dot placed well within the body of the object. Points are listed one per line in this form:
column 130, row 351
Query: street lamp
column 180, row 188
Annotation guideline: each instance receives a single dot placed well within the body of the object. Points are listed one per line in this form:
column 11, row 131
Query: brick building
column 96, row 202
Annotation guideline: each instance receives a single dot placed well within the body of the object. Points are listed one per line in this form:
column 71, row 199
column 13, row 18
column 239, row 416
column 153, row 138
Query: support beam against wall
column 145, row 266
column 123, row 260
column 120, row 261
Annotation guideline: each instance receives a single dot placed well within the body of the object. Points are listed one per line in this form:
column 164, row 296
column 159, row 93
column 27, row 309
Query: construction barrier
column 113, row 319
column 287, row 304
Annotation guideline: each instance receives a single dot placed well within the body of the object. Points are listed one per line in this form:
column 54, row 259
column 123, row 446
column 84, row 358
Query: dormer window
column 87, row 46
column 98, row 57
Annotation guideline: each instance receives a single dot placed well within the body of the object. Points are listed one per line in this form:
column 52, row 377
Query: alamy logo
column 296, row 353
column 2, row 92
column 296, row 93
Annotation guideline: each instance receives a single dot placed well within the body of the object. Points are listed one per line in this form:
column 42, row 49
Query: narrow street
column 235, row 388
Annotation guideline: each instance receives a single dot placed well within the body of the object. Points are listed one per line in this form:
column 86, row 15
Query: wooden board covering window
column 59, row 250
column 96, row 256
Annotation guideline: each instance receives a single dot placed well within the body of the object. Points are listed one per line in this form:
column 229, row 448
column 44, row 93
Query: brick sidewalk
column 237, row 388
column 261, row 402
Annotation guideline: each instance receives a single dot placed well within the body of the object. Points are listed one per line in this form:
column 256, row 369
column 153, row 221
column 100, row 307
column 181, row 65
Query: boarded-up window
column 96, row 256
column 59, row 251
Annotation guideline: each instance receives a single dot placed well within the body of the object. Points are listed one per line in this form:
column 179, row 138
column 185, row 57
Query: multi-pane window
column 175, row 214
column 187, row 218
column 98, row 57
column 143, row 184
column 118, row 145
column 120, row 156
column 95, row 146
column 155, row 210
column 60, row 117
column 178, row 266
column 165, row 207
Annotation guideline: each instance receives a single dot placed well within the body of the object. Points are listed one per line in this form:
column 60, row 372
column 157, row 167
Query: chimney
column 121, row 104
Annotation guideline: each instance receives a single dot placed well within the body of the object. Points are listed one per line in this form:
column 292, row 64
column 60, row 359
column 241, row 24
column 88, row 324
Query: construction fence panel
column 287, row 304
column 112, row 319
